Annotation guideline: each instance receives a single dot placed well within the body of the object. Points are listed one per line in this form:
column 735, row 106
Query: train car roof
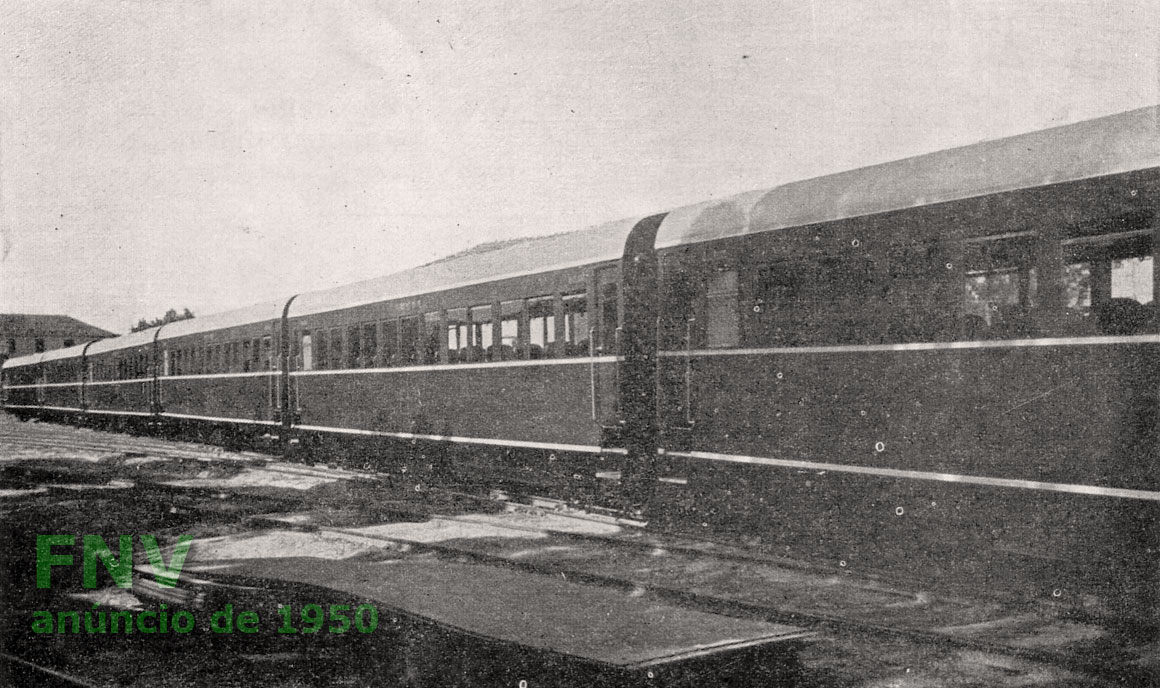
column 125, row 341
column 74, row 351
column 1119, row 143
column 18, row 361
column 262, row 312
column 1114, row 144
column 509, row 259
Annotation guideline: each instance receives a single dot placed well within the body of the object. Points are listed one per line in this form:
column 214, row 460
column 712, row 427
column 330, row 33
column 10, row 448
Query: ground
column 268, row 533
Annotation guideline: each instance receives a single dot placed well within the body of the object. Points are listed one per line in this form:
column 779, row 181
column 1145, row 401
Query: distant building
column 22, row 334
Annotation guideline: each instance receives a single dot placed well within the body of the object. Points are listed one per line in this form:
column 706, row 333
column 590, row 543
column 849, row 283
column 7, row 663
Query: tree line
column 171, row 315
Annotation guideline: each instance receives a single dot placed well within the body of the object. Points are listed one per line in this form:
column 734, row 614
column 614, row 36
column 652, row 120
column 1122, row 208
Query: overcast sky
column 210, row 154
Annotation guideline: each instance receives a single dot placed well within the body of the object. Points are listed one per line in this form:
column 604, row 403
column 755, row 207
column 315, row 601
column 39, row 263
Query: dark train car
column 945, row 366
column 48, row 384
column 22, row 384
column 64, row 380
column 504, row 357
column 942, row 367
column 219, row 376
column 121, row 388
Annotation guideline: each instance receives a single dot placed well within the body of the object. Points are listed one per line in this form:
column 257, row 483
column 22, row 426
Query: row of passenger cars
column 944, row 367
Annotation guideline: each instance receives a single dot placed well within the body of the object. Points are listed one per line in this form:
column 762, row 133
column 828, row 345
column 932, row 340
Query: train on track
column 944, row 367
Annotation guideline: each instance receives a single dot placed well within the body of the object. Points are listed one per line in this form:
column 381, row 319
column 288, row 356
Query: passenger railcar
column 943, row 367
column 120, row 385
column 218, row 376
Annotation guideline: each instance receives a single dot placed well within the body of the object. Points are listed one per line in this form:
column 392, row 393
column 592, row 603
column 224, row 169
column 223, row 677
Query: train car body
column 62, row 376
column 942, row 367
column 52, row 384
column 220, row 375
column 121, row 384
column 506, row 357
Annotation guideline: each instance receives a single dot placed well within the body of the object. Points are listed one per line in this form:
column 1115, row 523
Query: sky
column 210, row 154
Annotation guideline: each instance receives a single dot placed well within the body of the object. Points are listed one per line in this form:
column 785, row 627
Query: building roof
column 27, row 325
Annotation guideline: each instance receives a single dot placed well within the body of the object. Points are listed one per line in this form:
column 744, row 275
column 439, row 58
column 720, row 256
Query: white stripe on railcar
column 119, row 382
column 1092, row 490
column 215, row 376
column 523, row 444
column 42, row 408
column 120, row 413
column 91, row 383
column 217, row 419
column 461, row 366
column 922, row 346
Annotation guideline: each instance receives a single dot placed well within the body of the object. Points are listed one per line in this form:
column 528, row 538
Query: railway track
column 23, row 672
column 641, row 543
column 160, row 449
column 135, row 444
column 1108, row 673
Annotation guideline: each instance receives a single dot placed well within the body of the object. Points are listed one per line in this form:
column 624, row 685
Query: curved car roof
column 67, row 352
column 262, row 312
column 50, row 355
column 18, row 361
column 1108, row 145
column 125, row 341
column 1115, row 144
column 511, row 259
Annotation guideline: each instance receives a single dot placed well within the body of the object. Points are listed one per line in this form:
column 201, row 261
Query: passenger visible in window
column 1002, row 284
column 1014, row 322
column 480, row 344
column 411, row 340
column 509, row 329
column 542, row 326
column 457, row 335
column 576, row 334
column 431, row 346
column 1125, row 316
column 1109, row 290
